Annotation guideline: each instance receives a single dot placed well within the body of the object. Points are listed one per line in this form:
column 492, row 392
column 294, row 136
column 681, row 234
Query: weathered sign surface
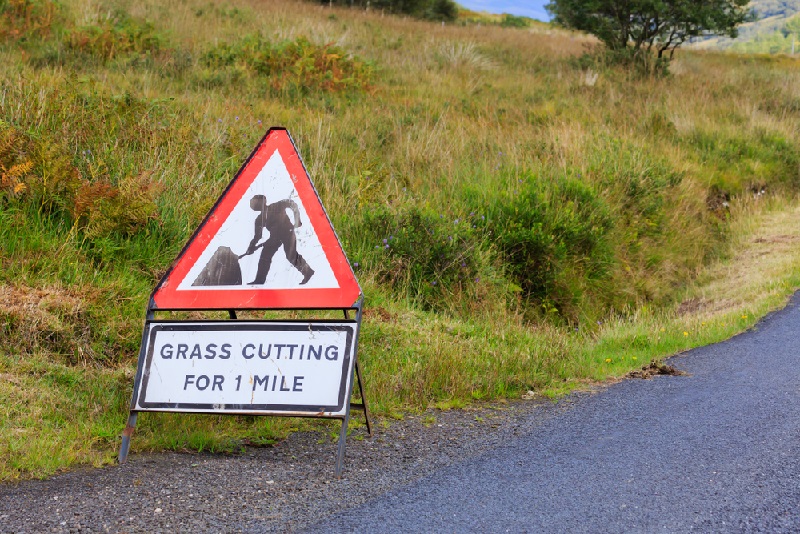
column 279, row 368
column 266, row 244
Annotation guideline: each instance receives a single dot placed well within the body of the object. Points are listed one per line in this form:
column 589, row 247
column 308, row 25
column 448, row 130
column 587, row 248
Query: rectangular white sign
column 248, row 367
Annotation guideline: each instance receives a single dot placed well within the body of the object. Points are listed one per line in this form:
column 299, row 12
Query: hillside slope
column 772, row 32
column 533, row 215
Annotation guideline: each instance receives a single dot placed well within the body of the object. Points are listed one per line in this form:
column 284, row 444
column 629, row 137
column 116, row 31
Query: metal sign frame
column 315, row 304
column 354, row 379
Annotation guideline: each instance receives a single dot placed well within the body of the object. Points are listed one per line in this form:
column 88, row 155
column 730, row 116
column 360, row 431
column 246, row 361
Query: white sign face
column 248, row 367
column 267, row 242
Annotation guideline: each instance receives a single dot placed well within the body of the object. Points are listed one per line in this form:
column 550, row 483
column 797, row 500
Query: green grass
column 549, row 218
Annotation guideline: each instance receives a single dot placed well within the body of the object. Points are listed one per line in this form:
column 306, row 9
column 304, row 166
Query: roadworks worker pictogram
column 223, row 268
column 281, row 232
column 267, row 243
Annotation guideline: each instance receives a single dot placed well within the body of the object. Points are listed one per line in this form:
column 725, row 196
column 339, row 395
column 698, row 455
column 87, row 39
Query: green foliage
column 748, row 162
column 297, row 66
column 637, row 182
column 637, row 64
column 649, row 26
column 446, row 10
column 119, row 35
column 38, row 173
column 429, row 9
column 553, row 233
column 430, row 257
column 513, row 21
column 27, row 19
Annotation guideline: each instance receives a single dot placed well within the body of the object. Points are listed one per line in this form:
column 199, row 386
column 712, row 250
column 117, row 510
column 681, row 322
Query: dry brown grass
column 762, row 270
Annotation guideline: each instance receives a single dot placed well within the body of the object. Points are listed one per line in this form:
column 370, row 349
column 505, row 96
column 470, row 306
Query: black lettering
column 182, row 350
column 196, row 352
column 291, row 350
column 166, row 352
column 226, row 351
column 283, row 384
column 218, row 379
column 189, row 380
column 317, row 353
column 332, row 353
column 261, row 351
column 257, row 380
column 204, row 380
column 211, row 351
column 280, row 346
column 302, row 348
column 298, row 383
column 244, row 350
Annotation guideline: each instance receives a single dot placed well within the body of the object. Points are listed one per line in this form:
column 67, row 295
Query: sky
column 527, row 8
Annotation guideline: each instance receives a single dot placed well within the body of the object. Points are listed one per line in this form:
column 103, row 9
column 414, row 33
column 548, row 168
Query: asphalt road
column 715, row 451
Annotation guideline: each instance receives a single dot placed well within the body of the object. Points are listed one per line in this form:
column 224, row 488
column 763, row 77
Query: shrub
column 634, row 63
column 636, row 183
column 297, row 65
column 748, row 160
column 554, row 238
column 445, row 10
column 21, row 19
column 39, row 173
column 513, row 21
column 427, row 256
column 118, row 36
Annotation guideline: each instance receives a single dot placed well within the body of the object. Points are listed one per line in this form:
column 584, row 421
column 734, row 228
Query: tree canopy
column 654, row 25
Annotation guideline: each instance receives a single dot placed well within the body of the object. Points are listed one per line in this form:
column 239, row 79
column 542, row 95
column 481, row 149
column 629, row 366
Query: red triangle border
column 167, row 297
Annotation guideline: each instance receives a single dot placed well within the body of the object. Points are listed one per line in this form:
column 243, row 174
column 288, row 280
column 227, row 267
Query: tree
column 653, row 25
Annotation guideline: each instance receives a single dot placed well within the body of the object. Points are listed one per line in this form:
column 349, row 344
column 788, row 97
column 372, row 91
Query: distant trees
column 658, row 26
column 429, row 9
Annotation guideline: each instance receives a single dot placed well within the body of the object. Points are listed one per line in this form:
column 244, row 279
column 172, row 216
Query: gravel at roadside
column 280, row 488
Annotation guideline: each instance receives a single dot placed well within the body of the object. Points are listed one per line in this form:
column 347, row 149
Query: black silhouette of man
column 273, row 217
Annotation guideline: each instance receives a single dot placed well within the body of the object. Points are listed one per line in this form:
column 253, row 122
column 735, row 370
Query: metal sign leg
column 126, row 437
column 363, row 404
column 342, row 439
column 363, row 399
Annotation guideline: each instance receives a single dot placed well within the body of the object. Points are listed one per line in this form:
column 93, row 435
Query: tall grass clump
column 37, row 174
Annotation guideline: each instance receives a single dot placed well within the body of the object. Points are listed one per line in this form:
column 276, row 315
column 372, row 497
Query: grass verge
column 57, row 415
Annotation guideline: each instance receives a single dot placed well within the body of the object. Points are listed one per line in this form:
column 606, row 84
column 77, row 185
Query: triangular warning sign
column 266, row 244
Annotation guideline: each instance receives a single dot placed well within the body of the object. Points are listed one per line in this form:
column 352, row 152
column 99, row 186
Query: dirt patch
column 379, row 314
column 777, row 239
column 53, row 318
column 655, row 368
column 33, row 301
column 691, row 306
